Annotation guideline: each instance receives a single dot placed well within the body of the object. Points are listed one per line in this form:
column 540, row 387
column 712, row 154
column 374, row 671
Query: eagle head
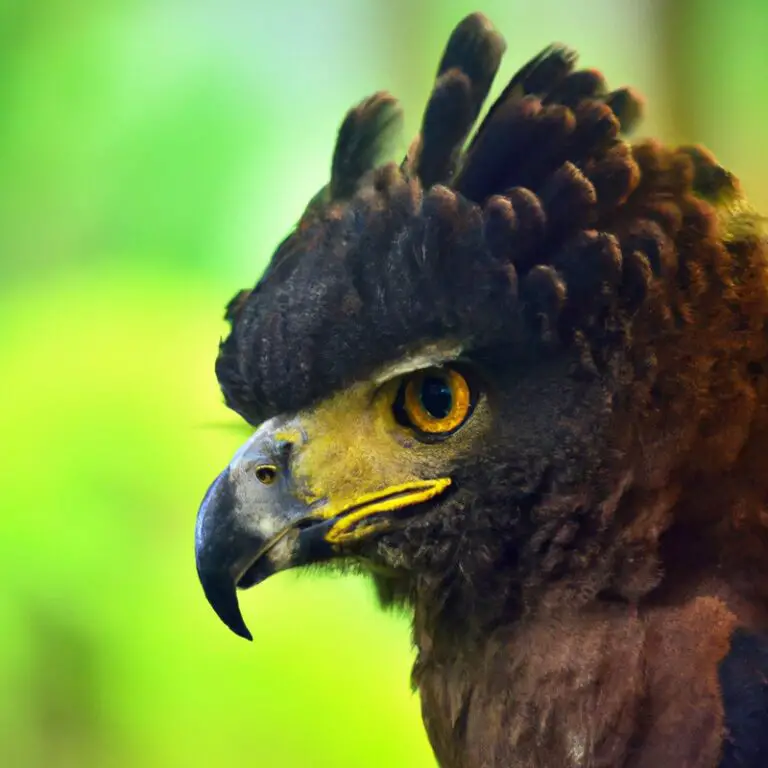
column 488, row 375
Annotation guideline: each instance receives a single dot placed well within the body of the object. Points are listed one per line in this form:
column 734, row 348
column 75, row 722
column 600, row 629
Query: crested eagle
column 521, row 380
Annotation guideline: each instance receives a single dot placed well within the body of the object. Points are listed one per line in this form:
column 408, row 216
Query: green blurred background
column 152, row 153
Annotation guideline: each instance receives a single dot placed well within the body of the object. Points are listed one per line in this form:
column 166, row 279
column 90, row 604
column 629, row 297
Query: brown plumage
column 591, row 590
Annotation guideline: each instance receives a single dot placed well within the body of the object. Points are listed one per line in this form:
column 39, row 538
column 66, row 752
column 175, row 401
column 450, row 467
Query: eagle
column 520, row 380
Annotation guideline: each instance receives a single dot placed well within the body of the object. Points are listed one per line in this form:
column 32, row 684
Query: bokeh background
column 152, row 153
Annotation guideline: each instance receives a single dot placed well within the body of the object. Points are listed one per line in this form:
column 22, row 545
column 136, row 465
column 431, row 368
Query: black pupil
column 436, row 397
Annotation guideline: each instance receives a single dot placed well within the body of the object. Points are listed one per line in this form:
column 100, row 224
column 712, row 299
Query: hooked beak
column 254, row 521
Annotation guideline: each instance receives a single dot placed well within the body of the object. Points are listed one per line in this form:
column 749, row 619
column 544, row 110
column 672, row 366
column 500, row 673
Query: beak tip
column 239, row 629
column 234, row 621
column 221, row 595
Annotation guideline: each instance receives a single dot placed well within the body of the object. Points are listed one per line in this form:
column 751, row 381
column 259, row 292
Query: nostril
column 266, row 473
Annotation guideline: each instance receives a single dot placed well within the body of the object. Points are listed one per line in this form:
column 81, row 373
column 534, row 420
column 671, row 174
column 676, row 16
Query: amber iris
column 436, row 401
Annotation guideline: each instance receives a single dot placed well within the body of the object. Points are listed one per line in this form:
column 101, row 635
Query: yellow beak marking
column 387, row 500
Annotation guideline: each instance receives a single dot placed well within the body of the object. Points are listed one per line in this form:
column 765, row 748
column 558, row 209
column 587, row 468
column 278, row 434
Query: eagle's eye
column 434, row 402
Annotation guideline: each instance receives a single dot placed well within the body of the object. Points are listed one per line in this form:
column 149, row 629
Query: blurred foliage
column 152, row 153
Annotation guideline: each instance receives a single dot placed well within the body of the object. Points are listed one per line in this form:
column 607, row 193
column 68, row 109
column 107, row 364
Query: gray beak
column 252, row 523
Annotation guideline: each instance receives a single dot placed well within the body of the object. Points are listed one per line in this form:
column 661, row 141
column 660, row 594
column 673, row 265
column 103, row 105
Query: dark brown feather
column 575, row 595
